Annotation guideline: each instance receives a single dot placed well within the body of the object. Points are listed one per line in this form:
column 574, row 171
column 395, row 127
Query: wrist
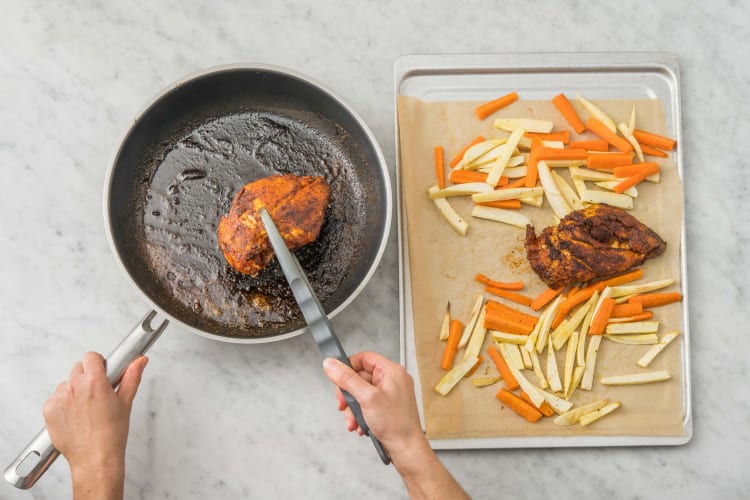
column 411, row 450
column 98, row 479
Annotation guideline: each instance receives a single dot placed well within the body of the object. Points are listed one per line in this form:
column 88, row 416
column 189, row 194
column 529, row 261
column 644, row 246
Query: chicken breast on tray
column 595, row 242
column 297, row 206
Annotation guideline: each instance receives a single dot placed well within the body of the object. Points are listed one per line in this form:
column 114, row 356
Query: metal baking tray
column 481, row 77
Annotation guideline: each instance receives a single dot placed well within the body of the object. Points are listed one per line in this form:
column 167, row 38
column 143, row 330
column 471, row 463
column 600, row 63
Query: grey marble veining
column 215, row 420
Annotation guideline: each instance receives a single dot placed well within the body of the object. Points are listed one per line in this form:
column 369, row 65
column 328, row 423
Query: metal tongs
column 315, row 316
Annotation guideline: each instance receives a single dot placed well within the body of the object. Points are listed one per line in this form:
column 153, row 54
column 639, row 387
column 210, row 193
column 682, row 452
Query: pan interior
column 182, row 163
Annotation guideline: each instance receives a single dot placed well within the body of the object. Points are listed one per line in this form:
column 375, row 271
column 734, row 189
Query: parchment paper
column 443, row 265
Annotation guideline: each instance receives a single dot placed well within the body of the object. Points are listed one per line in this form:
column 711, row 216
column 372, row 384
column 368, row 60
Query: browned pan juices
column 191, row 184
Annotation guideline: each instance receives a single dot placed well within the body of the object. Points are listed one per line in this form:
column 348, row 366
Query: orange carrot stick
column 599, row 322
column 628, row 170
column 474, row 368
column 655, row 140
column 518, row 405
column 559, row 318
column 516, row 183
column 532, row 173
column 488, row 108
column 544, row 298
column 636, row 178
column 503, row 324
column 515, row 297
column 633, row 275
column 638, row 317
column 439, row 169
column 561, row 154
column 503, row 181
column 504, row 285
column 494, row 307
column 460, row 155
column 569, row 113
column 590, row 145
column 655, row 299
column 626, row 310
column 648, row 150
column 464, row 176
column 502, row 368
column 602, row 131
column 562, row 136
column 451, row 346
column 573, row 300
column 512, row 204
column 608, row 160
column 546, row 409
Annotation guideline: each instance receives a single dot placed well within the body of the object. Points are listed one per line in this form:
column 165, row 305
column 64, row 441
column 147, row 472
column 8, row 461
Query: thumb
column 346, row 378
column 131, row 379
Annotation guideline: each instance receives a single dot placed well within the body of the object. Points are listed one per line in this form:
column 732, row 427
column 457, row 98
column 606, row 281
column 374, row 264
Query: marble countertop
column 215, row 420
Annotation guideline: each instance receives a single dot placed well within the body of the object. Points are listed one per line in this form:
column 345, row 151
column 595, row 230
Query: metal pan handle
column 39, row 453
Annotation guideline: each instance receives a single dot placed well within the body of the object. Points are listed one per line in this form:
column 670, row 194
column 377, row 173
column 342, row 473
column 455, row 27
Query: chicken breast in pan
column 297, row 206
column 595, row 242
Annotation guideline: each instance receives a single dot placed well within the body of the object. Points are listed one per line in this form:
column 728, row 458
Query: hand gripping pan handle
column 317, row 320
column 39, row 453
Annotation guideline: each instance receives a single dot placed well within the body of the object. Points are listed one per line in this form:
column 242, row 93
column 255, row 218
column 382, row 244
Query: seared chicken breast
column 595, row 242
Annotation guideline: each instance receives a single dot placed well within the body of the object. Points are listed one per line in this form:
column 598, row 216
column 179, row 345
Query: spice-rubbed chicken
column 296, row 204
column 594, row 242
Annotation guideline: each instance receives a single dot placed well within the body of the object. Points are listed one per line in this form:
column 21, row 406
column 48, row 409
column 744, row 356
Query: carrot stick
column 514, row 285
column 628, row 170
column 655, row 299
column 518, row 405
column 493, row 322
column 621, row 279
column 590, row 145
column 494, row 307
column 636, row 178
column 474, row 368
column 639, row 317
column 488, row 108
column 515, row 297
column 561, row 154
column 573, row 300
column 602, row 131
column 569, row 113
column 512, row 204
column 562, row 136
column 451, row 346
column 502, row 368
column 544, row 298
column 532, row 173
column 559, row 317
column 626, row 310
column 464, row 176
column 602, row 317
column 608, row 160
column 516, row 183
column 546, row 409
column 648, row 150
column 439, row 169
column 655, row 140
column 502, row 181
column 460, row 155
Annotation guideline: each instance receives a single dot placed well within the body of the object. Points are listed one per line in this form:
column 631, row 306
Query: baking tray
column 482, row 77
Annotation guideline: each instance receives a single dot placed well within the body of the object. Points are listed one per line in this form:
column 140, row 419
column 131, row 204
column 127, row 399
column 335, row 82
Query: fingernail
column 330, row 364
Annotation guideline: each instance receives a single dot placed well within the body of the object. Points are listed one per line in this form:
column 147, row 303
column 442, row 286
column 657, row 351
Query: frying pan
column 174, row 175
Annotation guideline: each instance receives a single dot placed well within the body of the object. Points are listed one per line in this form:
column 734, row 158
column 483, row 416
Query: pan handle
column 39, row 453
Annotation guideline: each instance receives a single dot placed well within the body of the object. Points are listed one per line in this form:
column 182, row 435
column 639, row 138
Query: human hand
column 88, row 421
column 385, row 393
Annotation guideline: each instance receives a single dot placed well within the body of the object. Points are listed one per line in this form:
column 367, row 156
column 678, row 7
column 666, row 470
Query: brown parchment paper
column 442, row 266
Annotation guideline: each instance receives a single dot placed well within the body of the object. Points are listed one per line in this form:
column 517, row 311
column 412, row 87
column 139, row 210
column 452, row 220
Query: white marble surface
column 215, row 420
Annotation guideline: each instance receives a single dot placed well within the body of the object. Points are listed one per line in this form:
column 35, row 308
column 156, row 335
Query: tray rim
column 417, row 64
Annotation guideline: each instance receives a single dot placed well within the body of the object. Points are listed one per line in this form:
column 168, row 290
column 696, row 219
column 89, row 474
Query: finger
column 351, row 422
column 366, row 375
column 131, row 379
column 347, row 379
column 93, row 364
column 373, row 363
column 76, row 370
column 342, row 404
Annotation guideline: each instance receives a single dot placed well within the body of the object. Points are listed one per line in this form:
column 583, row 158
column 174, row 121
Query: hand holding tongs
column 315, row 316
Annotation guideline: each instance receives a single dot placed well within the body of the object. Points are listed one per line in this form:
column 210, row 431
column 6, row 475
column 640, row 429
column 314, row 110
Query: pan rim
column 381, row 163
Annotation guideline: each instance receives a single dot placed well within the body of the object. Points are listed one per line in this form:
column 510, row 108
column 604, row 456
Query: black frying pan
column 174, row 175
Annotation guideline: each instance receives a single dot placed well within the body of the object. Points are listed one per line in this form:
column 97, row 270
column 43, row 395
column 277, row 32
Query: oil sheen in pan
column 192, row 186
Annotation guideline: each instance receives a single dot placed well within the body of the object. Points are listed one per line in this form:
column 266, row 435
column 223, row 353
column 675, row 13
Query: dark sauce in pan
column 191, row 186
